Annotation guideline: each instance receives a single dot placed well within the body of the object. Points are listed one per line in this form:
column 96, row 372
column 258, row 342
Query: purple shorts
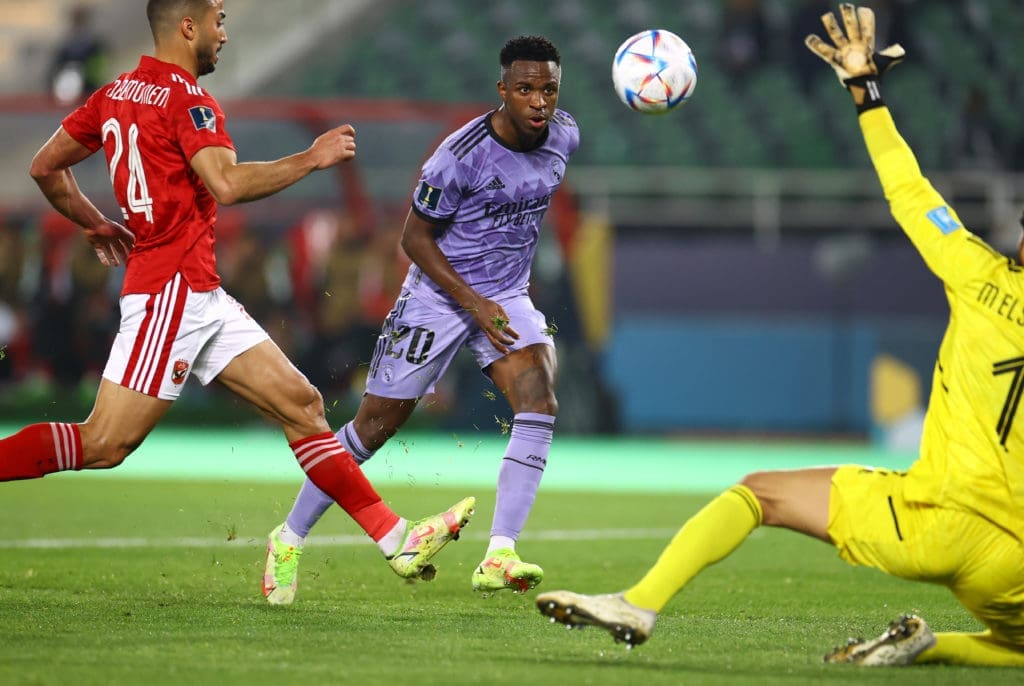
column 418, row 342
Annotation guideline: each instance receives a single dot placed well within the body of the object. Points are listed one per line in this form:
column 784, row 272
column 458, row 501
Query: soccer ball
column 654, row 71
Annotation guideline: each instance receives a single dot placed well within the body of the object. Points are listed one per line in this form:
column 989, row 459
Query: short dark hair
column 164, row 13
column 530, row 49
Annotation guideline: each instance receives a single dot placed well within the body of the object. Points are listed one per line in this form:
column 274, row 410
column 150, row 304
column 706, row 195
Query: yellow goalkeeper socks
column 972, row 649
column 707, row 537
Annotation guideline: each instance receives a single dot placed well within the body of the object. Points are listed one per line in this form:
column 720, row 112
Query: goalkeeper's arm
column 950, row 252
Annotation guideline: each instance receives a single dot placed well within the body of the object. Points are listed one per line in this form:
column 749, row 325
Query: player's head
column 530, row 74
column 1020, row 241
column 197, row 24
column 528, row 49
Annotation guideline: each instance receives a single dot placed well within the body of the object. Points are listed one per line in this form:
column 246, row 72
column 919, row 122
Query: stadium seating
column 445, row 51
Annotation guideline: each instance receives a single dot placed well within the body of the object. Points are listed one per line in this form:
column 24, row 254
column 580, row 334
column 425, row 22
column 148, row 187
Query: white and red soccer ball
column 654, row 71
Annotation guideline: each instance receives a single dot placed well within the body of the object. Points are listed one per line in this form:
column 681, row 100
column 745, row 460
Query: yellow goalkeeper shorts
column 872, row 525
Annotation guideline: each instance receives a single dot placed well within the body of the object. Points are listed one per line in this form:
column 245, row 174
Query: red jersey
column 150, row 122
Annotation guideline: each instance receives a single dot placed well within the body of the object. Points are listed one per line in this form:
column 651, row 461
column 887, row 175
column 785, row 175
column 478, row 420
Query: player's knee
column 374, row 432
column 307, row 406
column 101, row 451
column 311, row 401
column 544, row 404
column 762, row 485
column 536, row 394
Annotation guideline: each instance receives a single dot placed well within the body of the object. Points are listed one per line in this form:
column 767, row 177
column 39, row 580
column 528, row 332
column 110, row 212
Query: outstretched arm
column 951, row 252
column 420, row 244
column 51, row 169
column 230, row 182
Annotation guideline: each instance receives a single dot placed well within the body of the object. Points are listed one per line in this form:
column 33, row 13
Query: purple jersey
column 489, row 202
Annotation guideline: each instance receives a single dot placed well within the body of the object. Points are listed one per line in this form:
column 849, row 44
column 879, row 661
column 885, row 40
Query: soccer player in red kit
column 171, row 162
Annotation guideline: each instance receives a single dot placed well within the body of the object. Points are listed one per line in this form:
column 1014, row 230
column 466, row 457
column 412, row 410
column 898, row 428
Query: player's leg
column 135, row 392
column 981, row 649
column 989, row 583
column 121, row 418
column 264, row 376
column 526, row 377
column 797, row 500
column 377, row 418
column 872, row 524
column 415, row 347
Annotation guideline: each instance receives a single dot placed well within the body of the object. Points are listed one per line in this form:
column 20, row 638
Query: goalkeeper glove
column 853, row 58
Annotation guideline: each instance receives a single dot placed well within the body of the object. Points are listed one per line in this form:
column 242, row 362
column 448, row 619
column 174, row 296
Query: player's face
column 1020, row 242
column 211, row 37
column 529, row 93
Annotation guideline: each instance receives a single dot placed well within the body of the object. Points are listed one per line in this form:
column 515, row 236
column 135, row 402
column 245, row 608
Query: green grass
column 169, row 612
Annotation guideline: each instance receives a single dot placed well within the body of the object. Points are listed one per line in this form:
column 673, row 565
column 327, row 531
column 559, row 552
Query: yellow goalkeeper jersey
column 972, row 449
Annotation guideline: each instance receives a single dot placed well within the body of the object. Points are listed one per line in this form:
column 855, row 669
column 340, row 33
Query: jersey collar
column 150, row 63
column 494, row 134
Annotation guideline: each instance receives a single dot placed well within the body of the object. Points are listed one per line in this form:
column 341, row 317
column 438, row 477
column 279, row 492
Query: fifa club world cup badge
column 180, row 371
column 556, row 170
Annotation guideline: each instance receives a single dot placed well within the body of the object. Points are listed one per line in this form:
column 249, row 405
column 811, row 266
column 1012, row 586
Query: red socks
column 40, row 449
column 332, row 469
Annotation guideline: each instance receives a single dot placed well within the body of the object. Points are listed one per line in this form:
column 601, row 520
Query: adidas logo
column 495, row 185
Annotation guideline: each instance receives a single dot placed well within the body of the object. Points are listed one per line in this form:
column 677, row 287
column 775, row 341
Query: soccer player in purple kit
column 471, row 234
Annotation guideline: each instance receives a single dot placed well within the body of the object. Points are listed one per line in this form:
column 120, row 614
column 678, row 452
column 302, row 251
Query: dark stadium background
column 727, row 269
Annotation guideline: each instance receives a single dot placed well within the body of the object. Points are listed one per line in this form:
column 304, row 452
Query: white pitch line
column 343, row 540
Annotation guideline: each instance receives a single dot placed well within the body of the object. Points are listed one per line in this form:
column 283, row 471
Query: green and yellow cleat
column 425, row 538
column 281, row 574
column 503, row 569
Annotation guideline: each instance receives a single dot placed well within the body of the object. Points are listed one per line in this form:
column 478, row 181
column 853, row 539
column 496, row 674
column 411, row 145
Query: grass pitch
column 117, row 581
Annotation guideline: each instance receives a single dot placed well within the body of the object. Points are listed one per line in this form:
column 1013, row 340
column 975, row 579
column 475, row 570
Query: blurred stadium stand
column 729, row 266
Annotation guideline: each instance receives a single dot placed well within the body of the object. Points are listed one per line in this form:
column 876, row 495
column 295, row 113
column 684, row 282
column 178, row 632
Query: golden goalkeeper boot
column 612, row 612
column 902, row 642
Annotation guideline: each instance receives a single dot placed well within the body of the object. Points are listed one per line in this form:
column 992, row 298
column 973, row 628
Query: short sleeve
column 83, row 124
column 572, row 131
column 441, row 186
column 198, row 122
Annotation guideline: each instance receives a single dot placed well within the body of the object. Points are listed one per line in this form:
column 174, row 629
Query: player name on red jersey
column 139, row 92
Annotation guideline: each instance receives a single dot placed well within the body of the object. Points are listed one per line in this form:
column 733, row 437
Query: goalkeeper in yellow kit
column 956, row 518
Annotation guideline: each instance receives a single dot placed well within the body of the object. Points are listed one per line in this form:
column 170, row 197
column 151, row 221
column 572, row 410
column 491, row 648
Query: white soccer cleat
column 902, row 642
column 612, row 612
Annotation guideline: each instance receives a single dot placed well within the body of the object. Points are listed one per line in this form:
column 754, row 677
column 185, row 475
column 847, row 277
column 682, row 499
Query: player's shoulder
column 461, row 142
column 182, row 86
column 159, row 84
column 565, row 134
column 562, row 119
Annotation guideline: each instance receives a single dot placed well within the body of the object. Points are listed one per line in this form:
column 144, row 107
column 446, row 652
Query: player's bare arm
column 51, row 169
column 419, row 243
column 231, row 182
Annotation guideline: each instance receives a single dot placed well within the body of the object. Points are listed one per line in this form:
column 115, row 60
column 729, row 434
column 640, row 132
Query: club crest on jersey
column 428, row 196
column 203, row 118
column 180, row 372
